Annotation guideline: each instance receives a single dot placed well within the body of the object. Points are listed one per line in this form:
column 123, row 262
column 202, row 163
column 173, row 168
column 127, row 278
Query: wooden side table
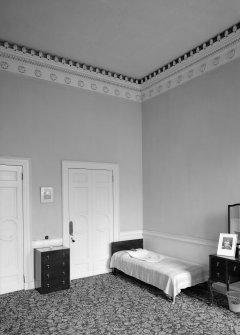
column 224, row 270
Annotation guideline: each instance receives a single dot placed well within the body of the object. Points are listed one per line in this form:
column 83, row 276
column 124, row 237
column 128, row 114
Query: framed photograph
column 227, row 245
column 46, row 194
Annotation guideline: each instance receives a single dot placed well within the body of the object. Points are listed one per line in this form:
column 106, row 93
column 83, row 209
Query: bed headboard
column 126, row 245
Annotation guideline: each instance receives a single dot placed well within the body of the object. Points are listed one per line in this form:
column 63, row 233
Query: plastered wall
column 191, row 155
column 48, row 123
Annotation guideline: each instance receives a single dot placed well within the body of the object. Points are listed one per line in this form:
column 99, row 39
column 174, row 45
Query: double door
column 90, row 216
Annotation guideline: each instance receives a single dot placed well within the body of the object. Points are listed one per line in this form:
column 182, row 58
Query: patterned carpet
column 108, row 304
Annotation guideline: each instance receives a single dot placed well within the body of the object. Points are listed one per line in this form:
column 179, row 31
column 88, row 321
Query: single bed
column 169, row 274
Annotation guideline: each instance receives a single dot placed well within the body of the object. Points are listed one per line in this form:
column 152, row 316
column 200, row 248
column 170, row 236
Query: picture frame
column 46, row 194
column 227, row 245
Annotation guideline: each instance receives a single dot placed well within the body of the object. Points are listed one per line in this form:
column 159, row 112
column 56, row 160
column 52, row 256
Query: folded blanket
column 145, row 255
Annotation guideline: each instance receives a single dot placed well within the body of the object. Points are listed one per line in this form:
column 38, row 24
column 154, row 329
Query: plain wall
column 48, row 123
column 191, row 155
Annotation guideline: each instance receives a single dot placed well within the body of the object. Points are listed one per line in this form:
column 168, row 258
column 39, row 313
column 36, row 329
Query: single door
column 11, row 229
column 90, row 203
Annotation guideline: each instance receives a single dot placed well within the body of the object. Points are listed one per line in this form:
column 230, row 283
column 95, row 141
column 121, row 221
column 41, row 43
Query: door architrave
column 27, row 247
column 66, row 165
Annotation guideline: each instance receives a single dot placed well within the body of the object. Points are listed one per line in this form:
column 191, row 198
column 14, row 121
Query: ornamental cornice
column 205, row 60
column 33, row 65
column 208, row 56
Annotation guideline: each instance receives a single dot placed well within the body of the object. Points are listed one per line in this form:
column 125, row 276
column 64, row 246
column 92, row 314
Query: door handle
column 71, row 228
column 71, row 231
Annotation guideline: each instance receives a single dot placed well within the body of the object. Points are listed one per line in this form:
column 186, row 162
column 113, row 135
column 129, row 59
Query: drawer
column 57, row 266
column 55, row 257
column 47, row 282
column 219, row 276
column 52, row 274
column 218, row 269
column 52, row 288
column 234, row 268
column 217, row 264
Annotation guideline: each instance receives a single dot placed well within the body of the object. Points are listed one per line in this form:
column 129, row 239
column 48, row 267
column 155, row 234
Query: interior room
column 119, row 122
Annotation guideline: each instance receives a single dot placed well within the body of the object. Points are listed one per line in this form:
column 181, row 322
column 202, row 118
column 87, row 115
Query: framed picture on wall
column 46, row 194
column 227, row 245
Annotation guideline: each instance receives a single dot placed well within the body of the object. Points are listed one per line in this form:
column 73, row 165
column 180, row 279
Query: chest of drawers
column 51, row 269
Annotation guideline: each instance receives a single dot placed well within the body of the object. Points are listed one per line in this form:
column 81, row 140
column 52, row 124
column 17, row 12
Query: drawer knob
column 47, row 266
column 218, row 263
column 63, row 263
column 63, row 272
column 63, row 281
column 218, row 274
column 48, row 275
column 48, row 285
column 235, row 268
column 48, row 256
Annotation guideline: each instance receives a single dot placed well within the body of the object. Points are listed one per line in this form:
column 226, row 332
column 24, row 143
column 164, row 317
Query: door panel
column 79, row 213
column 103, row 218
column 11, row 229
column 90, row 197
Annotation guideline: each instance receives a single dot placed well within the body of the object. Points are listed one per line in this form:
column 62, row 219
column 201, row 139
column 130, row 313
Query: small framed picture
column 46, row 194
column 227, row 245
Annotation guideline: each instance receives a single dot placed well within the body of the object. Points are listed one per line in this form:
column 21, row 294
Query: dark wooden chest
column 51, row 269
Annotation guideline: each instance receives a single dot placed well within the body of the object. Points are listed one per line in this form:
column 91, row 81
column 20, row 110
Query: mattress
column 168, row 274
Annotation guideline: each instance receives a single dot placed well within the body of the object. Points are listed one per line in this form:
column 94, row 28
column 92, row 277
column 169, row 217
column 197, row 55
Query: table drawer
column 218, row 269
column 219, row 276
column 217, row 264
column 234, row 268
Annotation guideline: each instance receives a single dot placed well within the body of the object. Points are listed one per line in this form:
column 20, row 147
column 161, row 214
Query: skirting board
column 29, row 285
column 184, row 247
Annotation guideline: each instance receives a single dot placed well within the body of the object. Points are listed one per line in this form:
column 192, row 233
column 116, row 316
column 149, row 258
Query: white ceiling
column 131, row 37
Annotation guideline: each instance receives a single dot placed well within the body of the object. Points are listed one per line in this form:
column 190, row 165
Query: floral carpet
column 108, row 304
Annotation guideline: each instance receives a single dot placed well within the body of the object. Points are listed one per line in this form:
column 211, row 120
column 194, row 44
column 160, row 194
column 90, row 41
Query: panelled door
column 11, row 229
column 90, row 206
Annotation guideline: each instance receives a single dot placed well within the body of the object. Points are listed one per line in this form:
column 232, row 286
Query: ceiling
column 130, row 37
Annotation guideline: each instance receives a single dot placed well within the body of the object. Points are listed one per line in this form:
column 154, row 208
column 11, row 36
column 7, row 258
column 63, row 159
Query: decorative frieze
column 205, row 60
column 211, row 54
column 35, row 66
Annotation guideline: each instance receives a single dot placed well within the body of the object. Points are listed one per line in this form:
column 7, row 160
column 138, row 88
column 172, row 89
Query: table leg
column 210, row 282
